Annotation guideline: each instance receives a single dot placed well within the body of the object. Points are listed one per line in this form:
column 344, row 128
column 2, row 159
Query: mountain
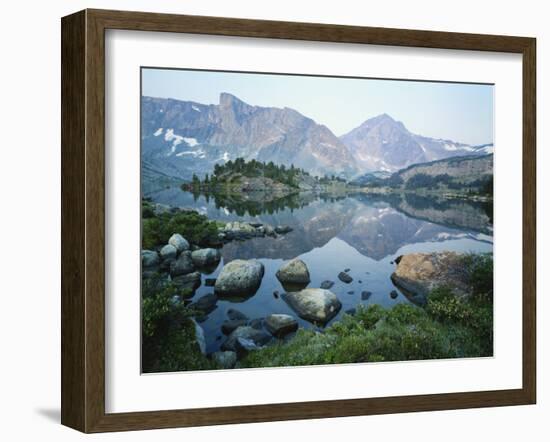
column 382, row 143
column 180, row 138
column 463, row 170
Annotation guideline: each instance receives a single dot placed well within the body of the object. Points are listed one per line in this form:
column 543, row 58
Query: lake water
column 360, row 232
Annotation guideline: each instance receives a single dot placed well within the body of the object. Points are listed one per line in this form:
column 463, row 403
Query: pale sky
column 455, row 111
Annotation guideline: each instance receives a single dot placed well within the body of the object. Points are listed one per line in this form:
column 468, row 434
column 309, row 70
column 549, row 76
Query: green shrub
column 168, row 333
column 196, row 228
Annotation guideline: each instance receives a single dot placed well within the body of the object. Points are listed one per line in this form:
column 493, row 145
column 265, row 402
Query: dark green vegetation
column 168, row 333
column 481, row 186
column 463, row 175
column 447, row 327
column 232, row 171
column 157, row 228
column 232, row 174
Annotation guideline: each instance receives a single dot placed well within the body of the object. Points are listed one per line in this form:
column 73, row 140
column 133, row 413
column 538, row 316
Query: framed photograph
column 266, row 220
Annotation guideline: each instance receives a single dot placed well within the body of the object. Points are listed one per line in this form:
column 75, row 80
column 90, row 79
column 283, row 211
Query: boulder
column 205, row 304
column 250, row 339
column 344, row 277
column 183, row 265
column 232, row 324
column 168, row 252
column 257, row 323
column 206, row 257
column 417, row 274
column 327, row 284
column 179, row 242
column 149, row 258
column 294, row 271
column 241, row 230
column 225, row 359
column 314, row 305
column 233, row 313
column 394, row 294
column 239, row 277
column 190, row 281
column 280, row 325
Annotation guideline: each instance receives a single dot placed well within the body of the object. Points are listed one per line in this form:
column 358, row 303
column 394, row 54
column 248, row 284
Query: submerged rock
column 225, row 359
column 179, row 242
column 149, row 258
column 418, row 274
column 210, row 282
column 327, row 284
column 244, row 339
column 233, row 313
column 294, row 271
column 365, row 294
column 344, row 277
column 205, row 304
column 191, row 281
column 280, row 325
column 182, row 265
column 394, row 294
column 314, row 305
column 232, row 324
column 239, row 277
column 205, row 257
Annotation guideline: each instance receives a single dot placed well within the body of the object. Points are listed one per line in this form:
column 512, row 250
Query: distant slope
column 180, row 138
column 382, row 143
column 474, row 172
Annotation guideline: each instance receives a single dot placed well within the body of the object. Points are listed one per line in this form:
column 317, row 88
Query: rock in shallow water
column 280, row 325
column 190, row 281
column 232, row 324
column 246, row 338
column 233, row 313
column 420, row 273
column 294, row 271
column 327, row 284
column 344, row 277
column 365, row 295
column 239, row 277
column 314, row 305
column 205, row 304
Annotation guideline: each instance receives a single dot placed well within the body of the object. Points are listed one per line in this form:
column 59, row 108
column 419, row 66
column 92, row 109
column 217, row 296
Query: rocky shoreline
column 181, row 262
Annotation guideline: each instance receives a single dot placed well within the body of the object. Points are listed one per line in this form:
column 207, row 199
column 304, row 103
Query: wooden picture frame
column 83, row 219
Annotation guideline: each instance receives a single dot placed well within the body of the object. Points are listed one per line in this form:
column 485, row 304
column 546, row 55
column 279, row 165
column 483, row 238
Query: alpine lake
column 359, row 233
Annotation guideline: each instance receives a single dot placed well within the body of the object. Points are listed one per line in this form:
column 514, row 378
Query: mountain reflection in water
column 364, row 233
